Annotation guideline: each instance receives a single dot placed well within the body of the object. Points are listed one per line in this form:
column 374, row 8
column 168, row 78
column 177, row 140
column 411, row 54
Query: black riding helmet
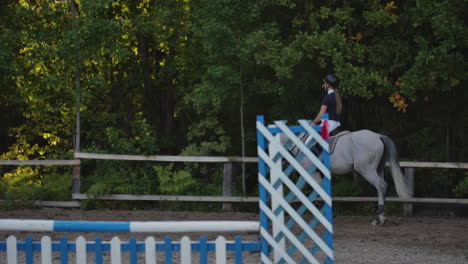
column 332, row 80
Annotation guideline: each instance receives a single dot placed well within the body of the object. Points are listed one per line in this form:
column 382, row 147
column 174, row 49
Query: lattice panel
column 295, row 194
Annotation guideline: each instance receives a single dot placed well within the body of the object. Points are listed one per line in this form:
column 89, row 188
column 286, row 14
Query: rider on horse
column 331, row 104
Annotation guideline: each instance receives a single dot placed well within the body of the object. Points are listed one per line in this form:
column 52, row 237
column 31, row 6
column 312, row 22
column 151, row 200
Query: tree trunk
column 77, row 141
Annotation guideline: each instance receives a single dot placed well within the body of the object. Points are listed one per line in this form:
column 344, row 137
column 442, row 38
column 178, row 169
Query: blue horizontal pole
column 85, row 226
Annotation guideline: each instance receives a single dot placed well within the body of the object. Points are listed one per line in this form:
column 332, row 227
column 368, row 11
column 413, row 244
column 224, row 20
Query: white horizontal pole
column 194, row 226
column 26, row 225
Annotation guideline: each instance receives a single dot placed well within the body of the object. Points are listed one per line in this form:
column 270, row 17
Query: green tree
column 196, row 72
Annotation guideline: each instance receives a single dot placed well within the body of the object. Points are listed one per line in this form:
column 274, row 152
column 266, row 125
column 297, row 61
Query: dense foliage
column 184, row 76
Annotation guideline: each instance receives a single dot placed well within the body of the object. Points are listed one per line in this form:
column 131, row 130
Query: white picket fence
column 188, row 250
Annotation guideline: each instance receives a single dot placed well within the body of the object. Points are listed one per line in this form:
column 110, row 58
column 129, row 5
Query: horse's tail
column 391, row 155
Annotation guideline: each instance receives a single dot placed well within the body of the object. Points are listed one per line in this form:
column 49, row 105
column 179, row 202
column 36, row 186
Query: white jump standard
column 281, row 185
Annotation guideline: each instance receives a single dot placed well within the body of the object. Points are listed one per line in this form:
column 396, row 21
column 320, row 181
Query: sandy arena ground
column 416, row 240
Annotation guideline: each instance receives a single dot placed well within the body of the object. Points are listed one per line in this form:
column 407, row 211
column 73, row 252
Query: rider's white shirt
column 332, row 124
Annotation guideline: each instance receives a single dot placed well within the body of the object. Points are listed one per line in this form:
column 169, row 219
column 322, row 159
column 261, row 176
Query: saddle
column 334, row 139
column 317, row 149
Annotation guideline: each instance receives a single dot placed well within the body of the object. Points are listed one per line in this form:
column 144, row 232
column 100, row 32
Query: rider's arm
column 317, row 119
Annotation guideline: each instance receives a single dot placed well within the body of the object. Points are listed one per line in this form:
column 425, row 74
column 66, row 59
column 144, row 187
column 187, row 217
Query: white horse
column 366, row 153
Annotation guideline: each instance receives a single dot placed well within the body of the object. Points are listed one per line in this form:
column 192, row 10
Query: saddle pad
column 334, row 139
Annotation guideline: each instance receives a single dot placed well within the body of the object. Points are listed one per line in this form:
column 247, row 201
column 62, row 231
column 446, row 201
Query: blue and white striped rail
column 305, row 179
column 128, row 227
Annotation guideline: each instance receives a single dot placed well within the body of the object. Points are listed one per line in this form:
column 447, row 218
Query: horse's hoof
column 382, row 219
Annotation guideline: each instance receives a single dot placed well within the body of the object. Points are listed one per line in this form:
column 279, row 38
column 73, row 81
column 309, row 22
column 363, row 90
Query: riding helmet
column 332, row 80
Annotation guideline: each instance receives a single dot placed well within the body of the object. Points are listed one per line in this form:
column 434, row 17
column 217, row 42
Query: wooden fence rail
column 41, row 162
column 227, row 197
column 81, row 155
column 165, row 158
column 240, row 199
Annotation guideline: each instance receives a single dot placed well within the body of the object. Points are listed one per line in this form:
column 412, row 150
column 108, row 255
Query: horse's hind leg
column 379, row 183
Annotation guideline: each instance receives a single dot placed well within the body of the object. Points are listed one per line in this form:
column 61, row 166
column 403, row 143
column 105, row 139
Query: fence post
column 409, row 175
column 227, row 184
column 76, row 179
